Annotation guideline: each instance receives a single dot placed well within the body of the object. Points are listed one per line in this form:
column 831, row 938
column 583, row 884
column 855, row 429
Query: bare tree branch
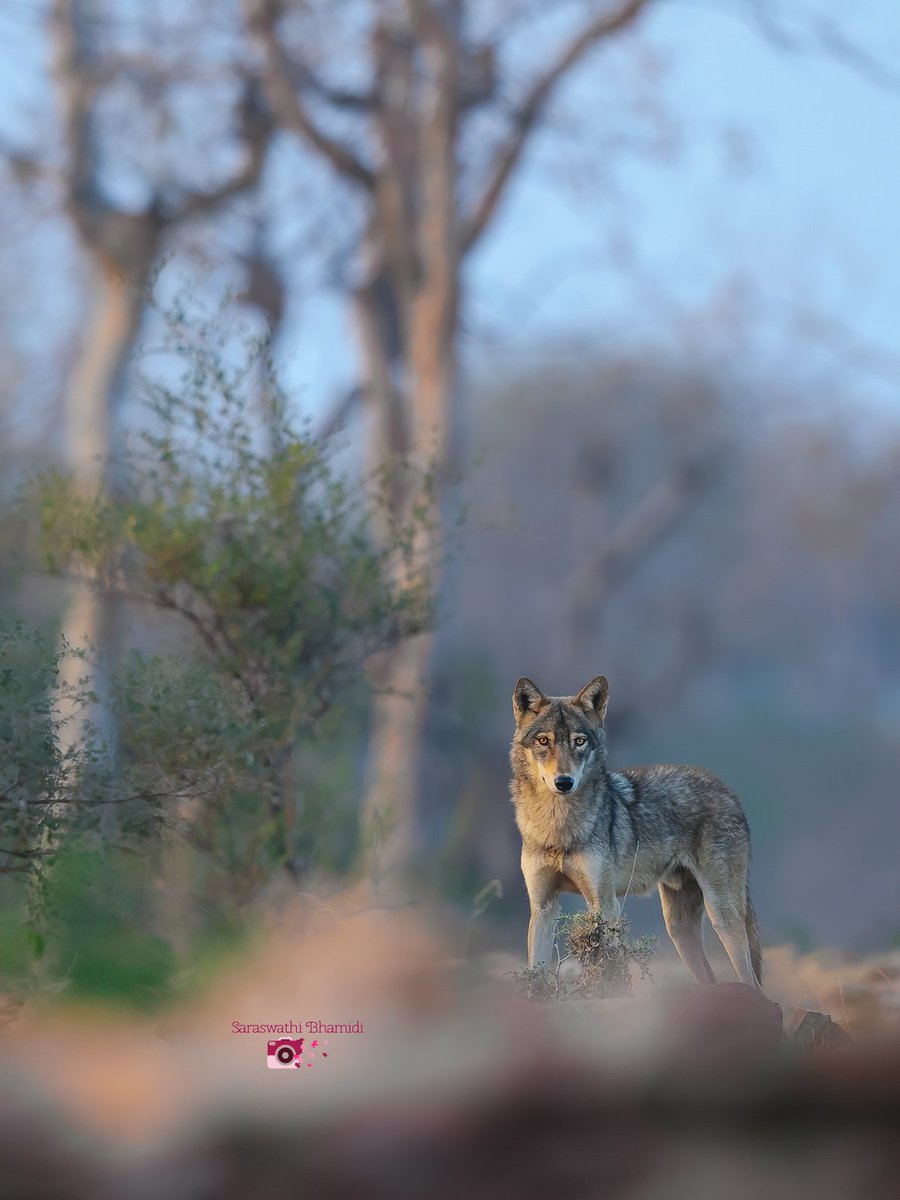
column 74, row 76
column 303, row 77
column 122, row 236
column 825, row 35
column 529, row 111
column 644, row 526
column 340, row 412
column 806, row 36
column 840, row 47
column 25, row 168
column 255, row 133
column 277, row 80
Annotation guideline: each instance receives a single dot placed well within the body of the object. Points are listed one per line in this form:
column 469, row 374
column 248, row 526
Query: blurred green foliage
column 233, row 758
column 100, row 927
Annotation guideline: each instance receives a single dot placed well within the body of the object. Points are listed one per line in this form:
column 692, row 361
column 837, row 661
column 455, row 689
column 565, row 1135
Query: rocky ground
column 457, row 1086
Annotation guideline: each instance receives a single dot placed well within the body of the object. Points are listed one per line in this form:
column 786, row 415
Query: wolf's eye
column 580, row 741
column 543, row 741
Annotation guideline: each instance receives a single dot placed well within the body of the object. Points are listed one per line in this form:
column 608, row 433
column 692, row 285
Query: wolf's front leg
column 542, row 884
column 596, row 881
column 608, row 903
column 541, row 932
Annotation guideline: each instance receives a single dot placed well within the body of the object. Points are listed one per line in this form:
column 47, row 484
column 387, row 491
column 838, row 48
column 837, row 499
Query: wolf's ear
column 527, row 698
column 594, row 696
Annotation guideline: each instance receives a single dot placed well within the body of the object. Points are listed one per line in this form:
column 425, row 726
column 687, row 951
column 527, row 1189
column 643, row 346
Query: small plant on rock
column 538, row 983
column 606, row 953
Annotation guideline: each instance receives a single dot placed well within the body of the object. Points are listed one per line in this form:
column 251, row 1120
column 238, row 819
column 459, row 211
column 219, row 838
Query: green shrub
column 239, row 750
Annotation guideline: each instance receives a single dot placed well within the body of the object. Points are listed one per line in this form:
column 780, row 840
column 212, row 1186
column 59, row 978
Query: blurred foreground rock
column 723, row 1022
column 457, row 1088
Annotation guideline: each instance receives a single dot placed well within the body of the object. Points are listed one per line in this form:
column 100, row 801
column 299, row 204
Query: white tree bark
column 92, row 441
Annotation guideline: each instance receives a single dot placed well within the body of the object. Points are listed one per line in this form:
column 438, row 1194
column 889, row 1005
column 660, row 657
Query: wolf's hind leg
column 729, row 919
column 683, row 913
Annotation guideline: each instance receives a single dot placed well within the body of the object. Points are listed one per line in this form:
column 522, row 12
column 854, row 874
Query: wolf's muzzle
column 564, row 783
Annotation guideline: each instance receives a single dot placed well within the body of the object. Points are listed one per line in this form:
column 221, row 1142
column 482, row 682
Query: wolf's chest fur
column 576, row 834
column 555, row 823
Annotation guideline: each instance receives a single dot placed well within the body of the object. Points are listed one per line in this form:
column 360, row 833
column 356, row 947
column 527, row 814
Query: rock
column 807, row 1031
column 724, row 1021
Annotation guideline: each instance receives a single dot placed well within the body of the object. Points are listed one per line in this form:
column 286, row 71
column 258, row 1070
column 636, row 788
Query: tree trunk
column 427, row 303
column 93, row 442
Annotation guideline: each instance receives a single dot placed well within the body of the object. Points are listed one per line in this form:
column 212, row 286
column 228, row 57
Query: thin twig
column 630, row 878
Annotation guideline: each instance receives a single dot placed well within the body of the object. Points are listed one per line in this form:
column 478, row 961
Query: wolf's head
column 561, row 736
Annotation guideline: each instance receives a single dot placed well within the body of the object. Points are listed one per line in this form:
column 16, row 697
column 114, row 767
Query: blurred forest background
column 360, row 356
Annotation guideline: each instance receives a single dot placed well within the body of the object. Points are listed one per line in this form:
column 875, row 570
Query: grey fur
column 674, row 828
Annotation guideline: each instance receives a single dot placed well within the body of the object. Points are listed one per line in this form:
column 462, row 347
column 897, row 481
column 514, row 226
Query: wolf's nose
column 564, row 783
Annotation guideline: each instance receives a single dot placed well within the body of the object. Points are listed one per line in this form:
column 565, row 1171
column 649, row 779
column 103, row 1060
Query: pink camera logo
column 285, row 1052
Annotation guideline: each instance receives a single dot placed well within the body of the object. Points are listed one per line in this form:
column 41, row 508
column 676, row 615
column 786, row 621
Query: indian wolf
column 604, row 833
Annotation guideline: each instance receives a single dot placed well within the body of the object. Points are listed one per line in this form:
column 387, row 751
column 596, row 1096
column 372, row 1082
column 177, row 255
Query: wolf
column 605, row 834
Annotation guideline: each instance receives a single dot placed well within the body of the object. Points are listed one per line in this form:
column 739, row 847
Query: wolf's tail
column 753, row 940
